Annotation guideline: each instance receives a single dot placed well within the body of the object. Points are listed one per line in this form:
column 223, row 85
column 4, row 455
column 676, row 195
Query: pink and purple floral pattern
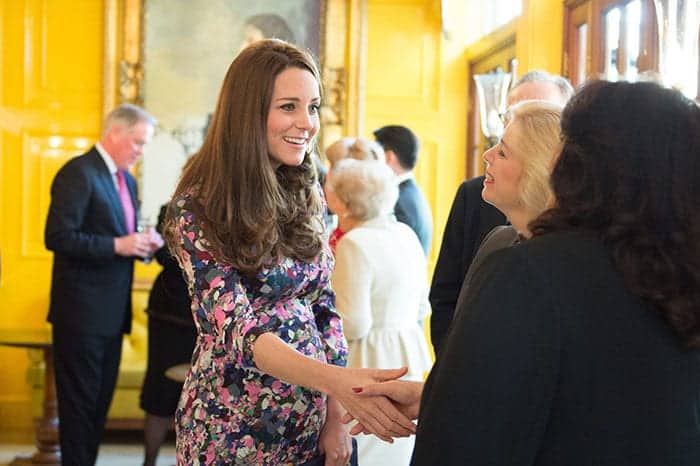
column 230, row 412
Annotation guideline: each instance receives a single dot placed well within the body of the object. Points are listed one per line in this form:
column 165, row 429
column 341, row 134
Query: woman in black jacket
column 581, row 345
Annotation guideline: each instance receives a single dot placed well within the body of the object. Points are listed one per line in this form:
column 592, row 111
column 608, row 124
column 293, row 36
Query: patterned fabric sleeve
column 329, row 324
column 328, row 320
column 218, row 288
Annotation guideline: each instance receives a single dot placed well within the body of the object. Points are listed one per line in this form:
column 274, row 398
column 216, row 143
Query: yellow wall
column 51, row 109
column 416, row 79
column 417, row 76
column 51, row 104
column 540, row 36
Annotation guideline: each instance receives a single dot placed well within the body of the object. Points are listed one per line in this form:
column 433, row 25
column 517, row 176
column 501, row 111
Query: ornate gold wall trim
column 341, row 44
column 123, row 68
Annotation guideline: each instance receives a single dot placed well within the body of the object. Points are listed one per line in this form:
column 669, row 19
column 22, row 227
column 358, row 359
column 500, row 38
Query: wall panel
column 43, row 156
column 402, row 66
column 416, row 76
column 50, row 110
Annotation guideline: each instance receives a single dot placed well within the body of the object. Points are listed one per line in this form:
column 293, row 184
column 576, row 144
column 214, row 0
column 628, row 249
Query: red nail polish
column 357, row 389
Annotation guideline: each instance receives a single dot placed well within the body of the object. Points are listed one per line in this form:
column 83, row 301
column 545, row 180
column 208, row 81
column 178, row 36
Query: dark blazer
column 90, row 285
column 470, row 220
column 412, row 209
column 503, row 236
column 551, row 361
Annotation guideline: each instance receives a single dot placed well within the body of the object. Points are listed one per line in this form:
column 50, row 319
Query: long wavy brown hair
column 629, row 171
column 251, row 213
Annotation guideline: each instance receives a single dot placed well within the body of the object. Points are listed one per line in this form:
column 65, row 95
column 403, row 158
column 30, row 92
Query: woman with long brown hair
column 246, row 227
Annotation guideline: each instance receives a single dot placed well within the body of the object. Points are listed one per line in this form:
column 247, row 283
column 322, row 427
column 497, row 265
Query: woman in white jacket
column 381, row 285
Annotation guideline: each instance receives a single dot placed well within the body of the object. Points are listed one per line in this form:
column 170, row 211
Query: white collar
column 111, row 166
column 404, row 176
column 379, row 221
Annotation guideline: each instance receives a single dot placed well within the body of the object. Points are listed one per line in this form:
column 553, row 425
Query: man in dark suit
column 401, row 150
column 91, row 230
column 471, row 218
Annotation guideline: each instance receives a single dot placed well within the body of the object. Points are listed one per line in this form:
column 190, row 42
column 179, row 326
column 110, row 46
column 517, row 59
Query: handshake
column 392, row 419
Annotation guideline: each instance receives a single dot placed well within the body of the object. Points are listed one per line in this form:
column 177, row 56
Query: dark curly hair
column 629, row 171
column 252, row 214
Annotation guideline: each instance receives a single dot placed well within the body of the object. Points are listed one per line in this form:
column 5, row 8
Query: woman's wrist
column 328, row 378
column 335, row 410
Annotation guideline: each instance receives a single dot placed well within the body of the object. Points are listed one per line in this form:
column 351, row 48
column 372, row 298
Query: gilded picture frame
column 333, row 32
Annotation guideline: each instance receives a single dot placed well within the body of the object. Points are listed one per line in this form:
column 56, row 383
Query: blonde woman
column 381, row 285
column 352, row 148
column 517, row 183
column 516, row 178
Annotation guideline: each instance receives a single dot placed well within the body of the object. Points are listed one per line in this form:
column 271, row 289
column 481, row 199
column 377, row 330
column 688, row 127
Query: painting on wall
column 186, row 49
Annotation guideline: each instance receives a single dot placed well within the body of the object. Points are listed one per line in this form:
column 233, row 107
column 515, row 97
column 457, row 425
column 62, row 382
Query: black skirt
column 169, row 344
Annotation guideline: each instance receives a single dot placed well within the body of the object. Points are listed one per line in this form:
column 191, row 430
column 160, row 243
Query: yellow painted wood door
column 415, row 77
column 50, row 111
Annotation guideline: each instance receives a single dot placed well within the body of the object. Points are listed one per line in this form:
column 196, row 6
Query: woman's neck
column 347, row 222
column 520, row 219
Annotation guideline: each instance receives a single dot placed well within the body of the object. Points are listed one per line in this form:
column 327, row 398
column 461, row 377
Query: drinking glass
column 146, row 226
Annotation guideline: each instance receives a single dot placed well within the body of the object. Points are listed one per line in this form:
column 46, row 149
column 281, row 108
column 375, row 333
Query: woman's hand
column 335, row 441
column 405, row 395
column 375, row 413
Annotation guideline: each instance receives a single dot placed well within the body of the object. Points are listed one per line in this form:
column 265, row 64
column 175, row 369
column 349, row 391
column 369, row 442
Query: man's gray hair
column 128, row 115
column 565, row 87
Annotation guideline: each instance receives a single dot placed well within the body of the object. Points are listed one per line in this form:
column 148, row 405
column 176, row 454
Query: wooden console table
column 48, row 450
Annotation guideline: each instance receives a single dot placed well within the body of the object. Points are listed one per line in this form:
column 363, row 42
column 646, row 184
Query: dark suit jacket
column 412, row 209
column 551, row 361
column 503, row 236
column 90, row 285
column 469, row 222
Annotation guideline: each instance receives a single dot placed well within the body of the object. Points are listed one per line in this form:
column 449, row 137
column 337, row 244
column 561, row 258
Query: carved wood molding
column 123, row 67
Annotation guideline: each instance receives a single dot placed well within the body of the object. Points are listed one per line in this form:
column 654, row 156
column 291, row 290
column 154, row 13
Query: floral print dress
column 230, row 412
